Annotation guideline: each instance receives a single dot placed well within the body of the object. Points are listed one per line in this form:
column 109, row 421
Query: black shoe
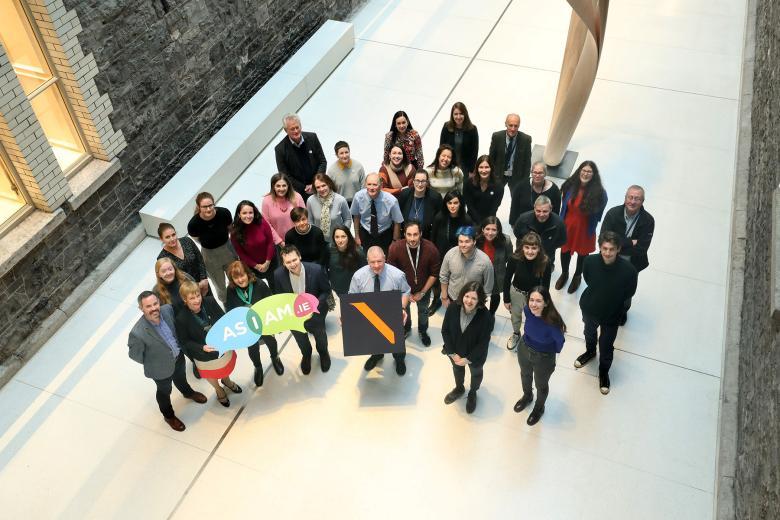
column 306, row 365
column 434, row 307
column 195, row 371
column 400, row 367
column 259, row 375
column 232, row 386
column 454, row 395
column 583, row 359
column 278, row 366
column 425, row 338
column 325, row 361
column 534, row 416
column 224, row 401
column 561, row 281
column 471, row 401
column 604, row 383
column 523, row 402
column 575, row 284
column 372, row 361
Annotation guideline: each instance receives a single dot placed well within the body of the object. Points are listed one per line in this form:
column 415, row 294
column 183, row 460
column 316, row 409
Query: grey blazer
column 149, row 349
column 521, row 167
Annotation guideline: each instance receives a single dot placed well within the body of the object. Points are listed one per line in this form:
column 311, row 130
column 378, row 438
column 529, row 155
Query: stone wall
column 757, row 478
column 175, row 71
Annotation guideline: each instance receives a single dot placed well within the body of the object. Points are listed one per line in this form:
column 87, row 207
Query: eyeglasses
column 420, row 181
column 207, row 206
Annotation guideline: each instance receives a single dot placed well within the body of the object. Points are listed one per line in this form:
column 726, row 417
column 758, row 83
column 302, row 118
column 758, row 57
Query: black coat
column 473, row 342
column 523, row 198
column 432, row 203
column 191, row 334
column 609, row 286
column 521, row 167
column 286, row 160
column 469, row 150
column 443, row 231
column 553, row 232
column 643, row 234
column 316, row 283
column 259, row 291
column 481, row 204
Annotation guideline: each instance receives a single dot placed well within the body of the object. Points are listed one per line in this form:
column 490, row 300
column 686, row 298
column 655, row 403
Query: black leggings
column 566, row 260
column 495, row 301
column 254, row 350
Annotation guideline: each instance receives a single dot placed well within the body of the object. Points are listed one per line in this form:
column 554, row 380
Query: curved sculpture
column 578, row 73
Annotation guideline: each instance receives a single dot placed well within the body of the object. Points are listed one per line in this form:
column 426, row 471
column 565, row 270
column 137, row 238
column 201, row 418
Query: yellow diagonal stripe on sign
column 376, row 321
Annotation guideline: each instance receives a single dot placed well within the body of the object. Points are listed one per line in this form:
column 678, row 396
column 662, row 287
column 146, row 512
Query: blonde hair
column 161, row 288
column 188, row 288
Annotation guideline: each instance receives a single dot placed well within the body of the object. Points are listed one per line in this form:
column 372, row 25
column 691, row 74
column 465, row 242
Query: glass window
column 42, row 88
column 11, row 198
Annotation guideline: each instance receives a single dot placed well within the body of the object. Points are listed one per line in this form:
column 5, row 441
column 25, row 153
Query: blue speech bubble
column 234, row 331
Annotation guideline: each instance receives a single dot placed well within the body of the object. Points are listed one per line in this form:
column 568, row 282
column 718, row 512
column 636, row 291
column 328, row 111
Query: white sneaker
column 512, row 341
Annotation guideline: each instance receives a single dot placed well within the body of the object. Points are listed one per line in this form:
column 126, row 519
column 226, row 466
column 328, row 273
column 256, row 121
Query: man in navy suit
column 299, row 277
column 299, row 154
column 153, row 343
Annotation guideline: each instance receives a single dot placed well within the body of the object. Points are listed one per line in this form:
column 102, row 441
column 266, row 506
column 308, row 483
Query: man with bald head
column 376, row 214
column 380, row 276
column 635, row 227
column 510, row 153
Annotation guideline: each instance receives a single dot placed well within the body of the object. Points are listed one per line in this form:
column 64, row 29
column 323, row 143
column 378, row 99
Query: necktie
column 510, row 149
column 374, row 221
column 376, row 283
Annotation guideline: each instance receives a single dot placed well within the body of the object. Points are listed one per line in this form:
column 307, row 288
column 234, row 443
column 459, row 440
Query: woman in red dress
column 584, row 200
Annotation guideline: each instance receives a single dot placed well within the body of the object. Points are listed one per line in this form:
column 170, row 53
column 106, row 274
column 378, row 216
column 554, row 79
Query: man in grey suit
column 153, row 343
column 510, row 153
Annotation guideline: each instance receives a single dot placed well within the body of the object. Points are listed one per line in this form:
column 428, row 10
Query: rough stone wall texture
column 758, row 459
column 175, row 71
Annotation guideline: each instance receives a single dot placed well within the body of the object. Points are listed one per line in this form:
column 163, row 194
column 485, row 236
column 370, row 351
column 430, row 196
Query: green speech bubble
column 277, row 314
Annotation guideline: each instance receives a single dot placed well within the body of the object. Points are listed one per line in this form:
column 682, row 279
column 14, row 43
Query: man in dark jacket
column 299, row 155
column 611, row 280
column 635, row 226
column 299, row 277
column 152, row 342
column 510, row 153
column 547, row 224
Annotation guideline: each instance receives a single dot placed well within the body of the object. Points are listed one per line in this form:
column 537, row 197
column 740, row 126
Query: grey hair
column 637, row 187
column 544, row 166
column 542, row 200
column 290, row 117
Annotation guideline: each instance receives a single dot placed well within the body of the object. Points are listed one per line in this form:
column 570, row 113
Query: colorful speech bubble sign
column 239, row 328
column 286, row 311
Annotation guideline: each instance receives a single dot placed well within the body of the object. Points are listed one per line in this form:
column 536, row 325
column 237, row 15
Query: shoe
column 512, row 341
column 454, row 395
column 425, row 338
column 224, row 401
column 575, row 284
column 534, row 416
column 259, row 375
column 604, row 383
column 561, row 281
column 197, row 397
column 195, row 371
column 471, row 401
column 434, row 307
column 400, row 367
column 232, row 386
column 278, row 366
column 325, row 362
column 523, row 402
column 175, row 423
column 306, row 365
column 372, row 361
column 583, row 359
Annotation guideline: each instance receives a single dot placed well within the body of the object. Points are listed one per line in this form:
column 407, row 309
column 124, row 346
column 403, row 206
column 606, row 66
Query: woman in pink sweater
column 253, row 241
column 277, row 204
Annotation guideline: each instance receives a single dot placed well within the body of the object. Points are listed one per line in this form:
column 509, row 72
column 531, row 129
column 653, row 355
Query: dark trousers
column 254, row 350
column 512, row 181
column 164, row 388
column 459, row 372
column 316, row 326
column 401, row 355
column 422, row 314
column 566, row 259
column 535, row 367
column 383, row 240
column 495, row 301
column 606, row 341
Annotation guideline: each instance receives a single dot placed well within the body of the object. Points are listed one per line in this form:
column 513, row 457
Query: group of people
column 430, row 232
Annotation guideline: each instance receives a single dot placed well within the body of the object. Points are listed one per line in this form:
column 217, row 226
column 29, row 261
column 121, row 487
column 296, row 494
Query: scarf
column 327, row 202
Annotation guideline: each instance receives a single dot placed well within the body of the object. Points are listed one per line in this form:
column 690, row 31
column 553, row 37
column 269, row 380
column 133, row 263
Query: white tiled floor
column 80, row 434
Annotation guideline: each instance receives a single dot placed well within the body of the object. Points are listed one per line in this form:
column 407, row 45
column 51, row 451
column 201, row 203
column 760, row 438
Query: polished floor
column 80, row 434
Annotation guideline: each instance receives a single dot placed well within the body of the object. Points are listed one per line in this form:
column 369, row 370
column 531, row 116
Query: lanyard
column 416, row 261
column 632, row 225
column 245, row 296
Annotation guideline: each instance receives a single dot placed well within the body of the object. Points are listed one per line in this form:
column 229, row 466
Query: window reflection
column 22, row 47
column 11, row 200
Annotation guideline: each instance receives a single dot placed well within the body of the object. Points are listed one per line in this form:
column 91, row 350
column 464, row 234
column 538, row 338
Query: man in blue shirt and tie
column 377, row 215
